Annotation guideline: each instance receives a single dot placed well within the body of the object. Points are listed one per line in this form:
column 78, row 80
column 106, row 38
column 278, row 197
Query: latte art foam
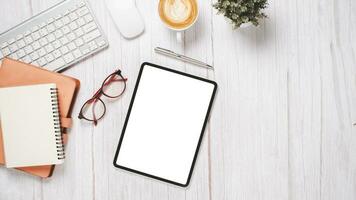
column 177, row 11
column 178, row 14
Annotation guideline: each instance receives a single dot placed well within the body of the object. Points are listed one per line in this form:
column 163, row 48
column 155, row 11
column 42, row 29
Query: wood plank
column 13, row 183
column 304, row 99
column 249, row 140
column 336, row 47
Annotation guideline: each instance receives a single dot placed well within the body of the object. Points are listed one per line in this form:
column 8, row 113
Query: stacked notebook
column 30, row 125
column 35, row 106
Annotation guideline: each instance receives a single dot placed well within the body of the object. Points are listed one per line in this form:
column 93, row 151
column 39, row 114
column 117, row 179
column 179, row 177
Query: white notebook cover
column 29, row 121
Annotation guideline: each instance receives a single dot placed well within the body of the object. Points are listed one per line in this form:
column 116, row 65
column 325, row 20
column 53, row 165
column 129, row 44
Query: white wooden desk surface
column 281, row 126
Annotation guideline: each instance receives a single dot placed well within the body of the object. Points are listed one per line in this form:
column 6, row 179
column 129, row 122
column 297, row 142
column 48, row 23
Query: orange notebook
column 16, row 73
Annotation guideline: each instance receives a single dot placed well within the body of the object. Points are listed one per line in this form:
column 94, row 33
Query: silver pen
column 184, row 58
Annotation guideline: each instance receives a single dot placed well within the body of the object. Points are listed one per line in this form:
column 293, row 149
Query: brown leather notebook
column 16, row 73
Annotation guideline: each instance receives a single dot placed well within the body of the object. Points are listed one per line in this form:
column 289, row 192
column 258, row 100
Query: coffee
column 178, row 14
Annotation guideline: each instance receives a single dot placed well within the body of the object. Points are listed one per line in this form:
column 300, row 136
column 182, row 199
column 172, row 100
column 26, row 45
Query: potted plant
column 242, row 13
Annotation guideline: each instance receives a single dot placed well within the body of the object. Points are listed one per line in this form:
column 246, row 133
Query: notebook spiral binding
column 57, row 124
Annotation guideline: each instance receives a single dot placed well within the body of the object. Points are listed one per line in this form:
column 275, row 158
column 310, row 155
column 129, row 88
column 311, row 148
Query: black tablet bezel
column 200, row 137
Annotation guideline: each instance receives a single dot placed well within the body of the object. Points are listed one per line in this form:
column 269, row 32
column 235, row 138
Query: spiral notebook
column 30, row 123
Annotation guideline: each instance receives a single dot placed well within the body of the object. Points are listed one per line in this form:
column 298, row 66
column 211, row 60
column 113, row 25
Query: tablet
column 165, row 124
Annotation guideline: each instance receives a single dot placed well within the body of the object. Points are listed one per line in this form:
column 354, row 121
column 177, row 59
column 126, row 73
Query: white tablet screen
column 163, row 128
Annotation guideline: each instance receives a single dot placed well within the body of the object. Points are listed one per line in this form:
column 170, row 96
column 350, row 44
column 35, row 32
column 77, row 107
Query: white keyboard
column 56, row 38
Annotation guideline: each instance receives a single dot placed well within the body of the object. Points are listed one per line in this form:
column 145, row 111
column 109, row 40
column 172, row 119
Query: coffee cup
column 178, row 15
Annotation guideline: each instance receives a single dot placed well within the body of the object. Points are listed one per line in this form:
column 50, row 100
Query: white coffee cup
column 178, row 15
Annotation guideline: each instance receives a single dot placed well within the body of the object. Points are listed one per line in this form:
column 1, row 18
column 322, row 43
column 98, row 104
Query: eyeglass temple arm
column 95, row 121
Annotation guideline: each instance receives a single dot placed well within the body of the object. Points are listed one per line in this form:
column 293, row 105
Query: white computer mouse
column 126, row 17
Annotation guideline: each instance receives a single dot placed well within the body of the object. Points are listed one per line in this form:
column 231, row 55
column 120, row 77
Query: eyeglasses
column 113, row 87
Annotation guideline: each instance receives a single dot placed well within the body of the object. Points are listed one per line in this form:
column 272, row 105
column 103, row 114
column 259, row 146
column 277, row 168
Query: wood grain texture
column 281, row 125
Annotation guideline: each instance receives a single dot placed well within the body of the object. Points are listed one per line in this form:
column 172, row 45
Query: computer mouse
column 126, row 17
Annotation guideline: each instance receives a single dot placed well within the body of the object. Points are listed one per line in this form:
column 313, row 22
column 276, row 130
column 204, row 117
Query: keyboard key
column 65, row 30
column 81, row 4
column 79, row 32
column 57, row 54
column 58, row 23
column 88, row 18
column 79, row 42
column 28, row 39
column 34, row 56
column 64, row 50
column 6, row 51
column 91, row 36
column 14, row 56
column 56, row 44
column 80, row 22
column 12, row 40
column 34, row 29
column 1, row 56
column 58, row 34
column 3, row 45
column 89, row 27
column 66, row 12
column 27, row 59
column 36, row 45
column 51, row 37
column 21, row 43
column 85, row 49
column 73, row 16
column 21, row 53
column 82, row 11
column 73, row 26
column 72, row 9
column 56, row 64
column 50, row 20
column 43, row 32
column 42, row 62
column 71, row 36
column 49, row 57
column 36, row 36
column 101, row 43
column 42, row 25
column 18, row 37
column 66, row 20
column 41, row 52
column 27, row 33
column 49, row 48
column 43, row 41
column 58, row 17
column 13, row 47
column 64, row 40
column 28, row 49
column 68, row 57
column 71, row 46
column 93, row 46
column 77, row 53
column 51, row 28
column 35, row 63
